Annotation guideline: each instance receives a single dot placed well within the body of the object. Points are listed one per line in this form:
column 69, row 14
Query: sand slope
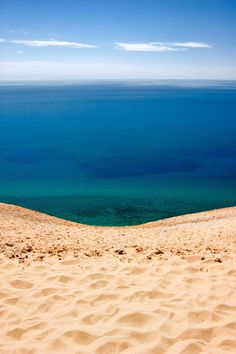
column 164, row 287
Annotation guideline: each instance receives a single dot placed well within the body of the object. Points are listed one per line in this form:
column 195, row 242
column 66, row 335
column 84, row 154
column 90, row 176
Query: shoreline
column 51, row 236
column 4, row 207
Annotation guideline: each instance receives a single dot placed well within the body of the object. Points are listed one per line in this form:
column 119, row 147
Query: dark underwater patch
column 123, row 166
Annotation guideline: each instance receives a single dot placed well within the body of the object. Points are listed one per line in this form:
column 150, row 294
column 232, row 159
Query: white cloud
column 131, row 47
column 159, row 46
column 191, row 45
column 48, row 43
column 144, row 47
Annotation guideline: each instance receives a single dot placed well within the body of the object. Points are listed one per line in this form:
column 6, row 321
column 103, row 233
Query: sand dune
column 163, row 287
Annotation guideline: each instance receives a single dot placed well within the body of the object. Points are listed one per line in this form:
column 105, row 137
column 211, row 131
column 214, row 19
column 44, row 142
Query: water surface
column 118, row 153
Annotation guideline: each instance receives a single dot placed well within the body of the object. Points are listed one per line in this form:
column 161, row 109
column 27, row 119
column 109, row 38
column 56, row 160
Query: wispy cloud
column 47, row 43
column 191, row 44
column 144, row 47
column 159, row 46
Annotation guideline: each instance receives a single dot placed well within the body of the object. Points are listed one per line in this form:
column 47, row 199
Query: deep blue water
column 118, row 153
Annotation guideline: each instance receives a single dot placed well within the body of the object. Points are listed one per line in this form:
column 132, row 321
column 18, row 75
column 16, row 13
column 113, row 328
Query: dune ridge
column 162, row 287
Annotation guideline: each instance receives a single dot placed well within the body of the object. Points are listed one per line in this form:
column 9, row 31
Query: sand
column 162, row 287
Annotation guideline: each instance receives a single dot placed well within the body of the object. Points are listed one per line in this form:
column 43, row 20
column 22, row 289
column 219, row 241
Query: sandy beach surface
column 162, row 287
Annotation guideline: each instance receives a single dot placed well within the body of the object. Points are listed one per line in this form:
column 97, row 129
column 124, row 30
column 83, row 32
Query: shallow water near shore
column 118, row 153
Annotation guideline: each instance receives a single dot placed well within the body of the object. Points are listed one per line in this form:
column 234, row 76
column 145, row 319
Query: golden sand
column 162, row 287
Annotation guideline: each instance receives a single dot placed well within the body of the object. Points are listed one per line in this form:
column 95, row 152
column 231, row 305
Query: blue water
column 118, row 153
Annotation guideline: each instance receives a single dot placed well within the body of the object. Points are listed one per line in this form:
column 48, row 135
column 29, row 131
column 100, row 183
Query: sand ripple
column 165, row 287
column 72, row 308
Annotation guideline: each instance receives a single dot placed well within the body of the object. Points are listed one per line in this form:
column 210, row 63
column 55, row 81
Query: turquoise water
column 118, row 153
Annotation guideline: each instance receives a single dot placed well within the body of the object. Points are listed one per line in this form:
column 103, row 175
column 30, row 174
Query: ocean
column 118, row 153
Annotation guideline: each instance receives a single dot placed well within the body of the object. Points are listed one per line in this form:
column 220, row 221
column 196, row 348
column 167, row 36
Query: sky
column 117, row 39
